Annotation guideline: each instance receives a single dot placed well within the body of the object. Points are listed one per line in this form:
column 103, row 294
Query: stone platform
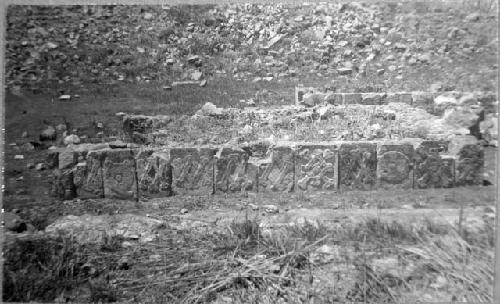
column 125, row 172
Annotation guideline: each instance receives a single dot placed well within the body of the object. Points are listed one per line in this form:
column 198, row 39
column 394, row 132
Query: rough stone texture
column 423, row 100
column 431, row 169
column 316, row 167
column 67, row 159
column 154, row 173
column 373, row 98
column 192, row 170
column 119, row 174
column 395, row 166
column 357, row 166
column 231, row 171
column 352, row 98
column 406, row 98
column 469, row 165
column 62, row 184
column 278, row 174
column 334, row 98
column 88, row 176
column 52, row 160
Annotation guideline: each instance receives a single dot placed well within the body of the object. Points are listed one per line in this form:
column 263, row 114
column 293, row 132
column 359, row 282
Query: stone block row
column 329, row 166
column 310, row 97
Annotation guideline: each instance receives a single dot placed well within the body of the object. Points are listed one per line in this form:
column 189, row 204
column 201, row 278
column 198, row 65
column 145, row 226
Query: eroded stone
column 231, row 171
column 119, row 174
column 432, row 170
column 192, row 170
column 469, row 165
column 278, row 173
column 317, row 167
column 357, row 166
column 352, row 98
column 395, row 166
column 88, row 176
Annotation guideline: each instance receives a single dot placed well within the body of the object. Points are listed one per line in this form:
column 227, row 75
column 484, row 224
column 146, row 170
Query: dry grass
column 245, row 263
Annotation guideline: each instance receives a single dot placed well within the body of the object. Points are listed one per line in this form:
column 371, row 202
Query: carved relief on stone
column 192, row 170
column 469, row 165
column 232, row 171
column 316, row 167
column 357, row 166
column 88, row 176
column 278, row 174
column 395, row 166
column 119, row 174
column 432, row 169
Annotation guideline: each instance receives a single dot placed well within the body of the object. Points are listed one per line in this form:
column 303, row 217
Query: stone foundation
column 131, row 173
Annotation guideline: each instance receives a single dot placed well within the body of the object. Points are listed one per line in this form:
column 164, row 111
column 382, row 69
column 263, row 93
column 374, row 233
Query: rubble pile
column 76, row 45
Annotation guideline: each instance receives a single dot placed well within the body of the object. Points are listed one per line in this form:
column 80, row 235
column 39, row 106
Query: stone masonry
column 131, row 173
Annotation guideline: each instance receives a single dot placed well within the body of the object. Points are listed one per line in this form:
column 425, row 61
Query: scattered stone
column 18, row 156
column 209, row 109
column 271, row 208
column 184, row 211
column 48, row 134
column 344, row 71
column 71, row 139
column 61, row 127
column 13, row 222
column 65, row 97
column 40, row 167
column 25, row 134
column 167, row 88
column 196, row 75
column 203, row 83
column 253, row 207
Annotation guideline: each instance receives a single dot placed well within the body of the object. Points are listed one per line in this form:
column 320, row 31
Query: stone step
column 124, row 173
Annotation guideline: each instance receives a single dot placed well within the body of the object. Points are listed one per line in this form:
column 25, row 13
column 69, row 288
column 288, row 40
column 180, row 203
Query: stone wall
column 434, row 103
column 131, row 173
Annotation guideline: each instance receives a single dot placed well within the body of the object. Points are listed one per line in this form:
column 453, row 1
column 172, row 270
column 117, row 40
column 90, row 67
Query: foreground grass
column 246, row 263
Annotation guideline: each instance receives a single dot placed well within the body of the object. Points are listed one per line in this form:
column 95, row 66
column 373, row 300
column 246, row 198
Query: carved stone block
column 119, row 174
column 357, row 166
column 469, row 165
column 432, row 170
column 192, row 170
column 88, row 176
column 279, row 173
column 317, row 167
column 395, row 166
column 231, row 171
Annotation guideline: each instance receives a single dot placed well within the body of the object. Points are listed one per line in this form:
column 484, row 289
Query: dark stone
column 192, row 170
column 469, row 165
column 119, row 174
column 357, row 166
column 231, row 171
column 88, row 176
column 431, row 169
